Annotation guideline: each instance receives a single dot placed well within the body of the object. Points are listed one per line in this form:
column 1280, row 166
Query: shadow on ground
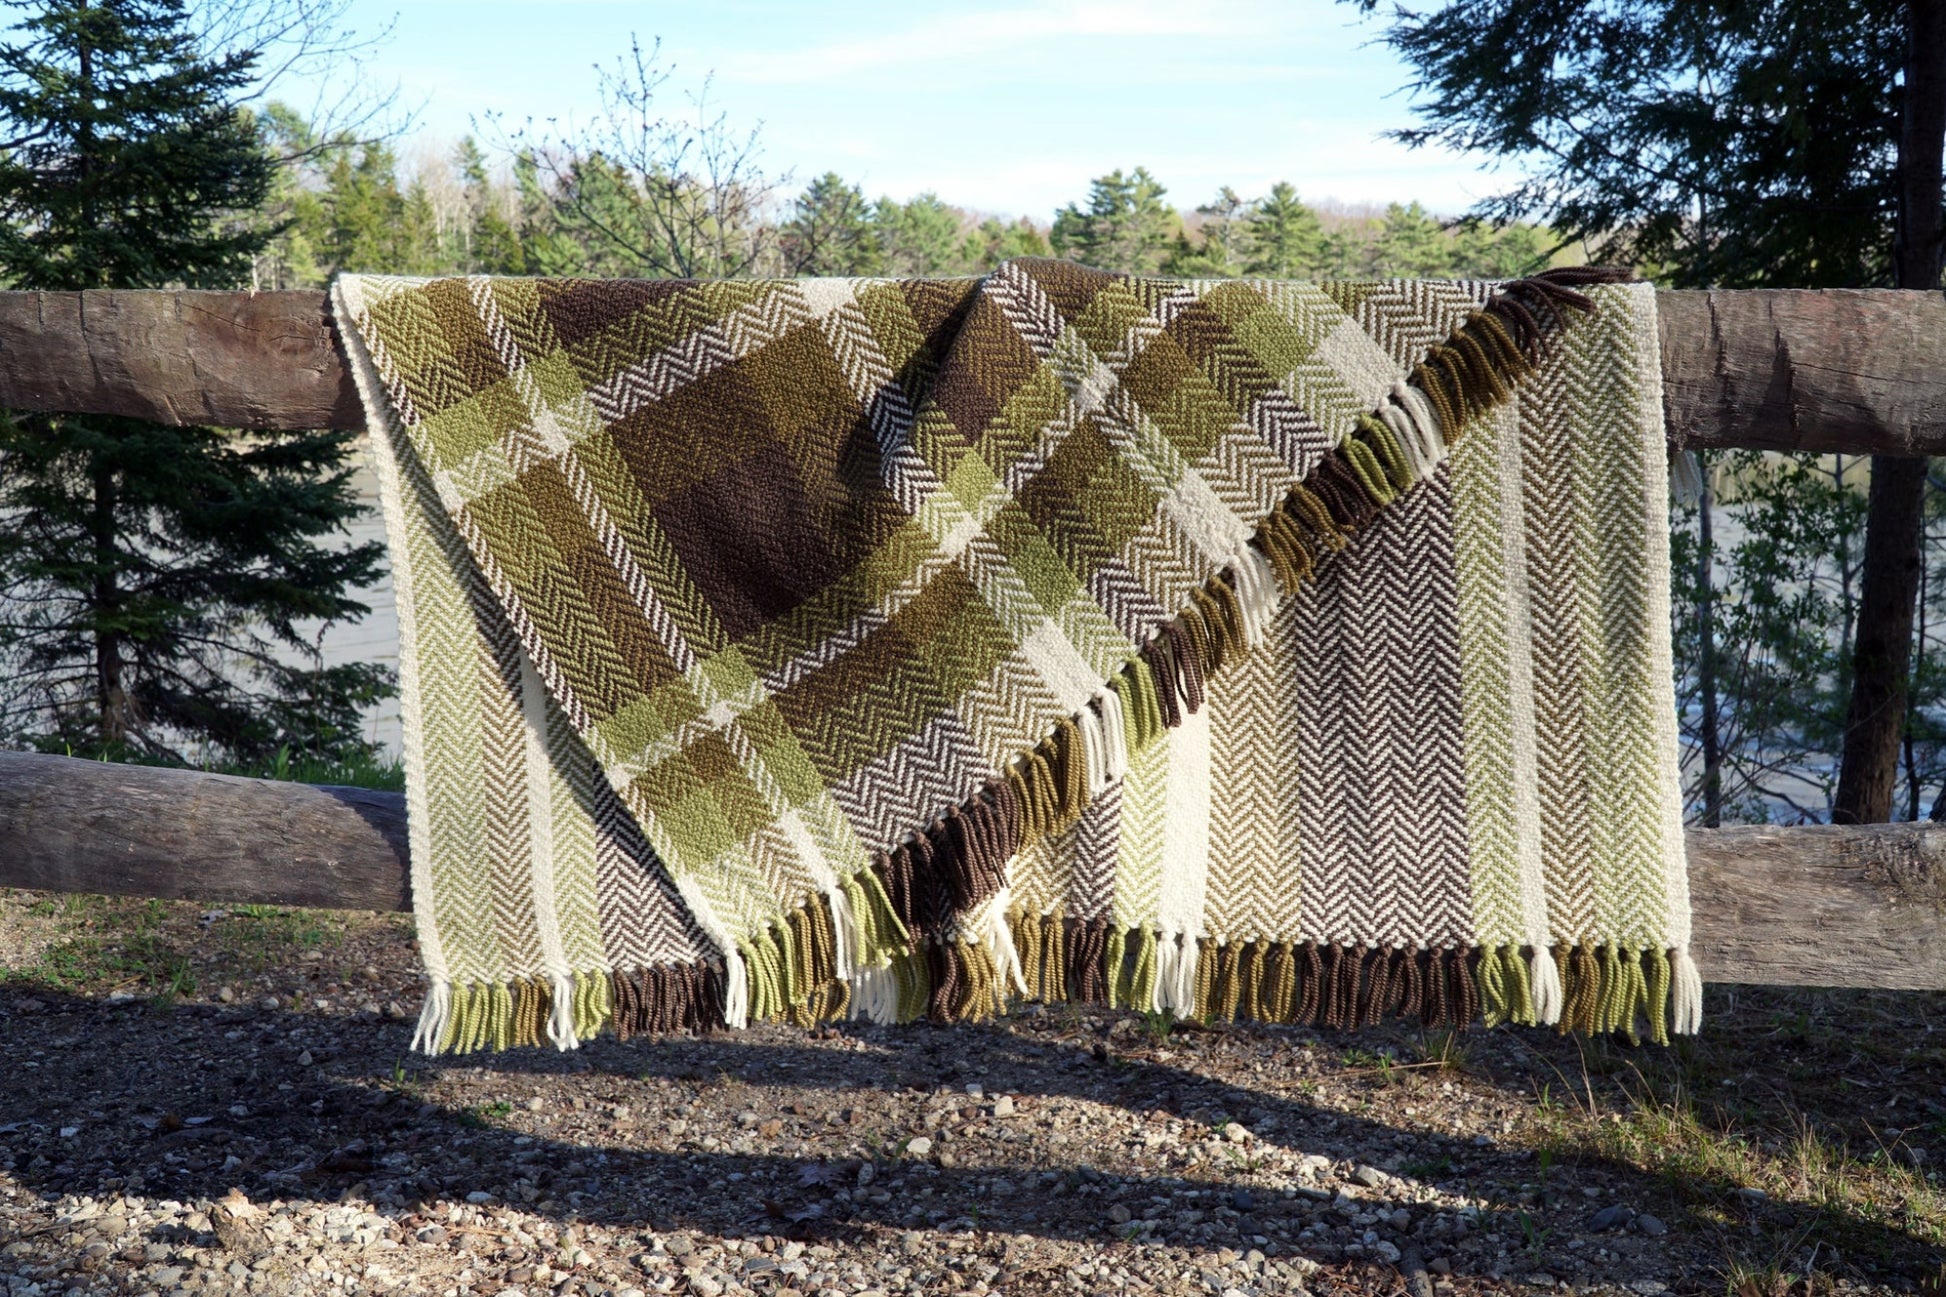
column 809, row 1136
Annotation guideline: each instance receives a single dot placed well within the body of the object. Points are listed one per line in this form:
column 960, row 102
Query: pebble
column 1237, row 1133
column 1753, row 1195
column 1003, row 1106
column 1118, row 1214
column 919, row 1146
column 1243, row 1200
column 1400, row 1220
column 1650, row 1225
column 1440, row 1265
column 1615, row 1217
column 1369, row 1176
column 305, row 1059
column 226, row 994
column 270, row 1004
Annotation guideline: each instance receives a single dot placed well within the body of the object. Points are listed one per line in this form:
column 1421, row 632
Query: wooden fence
column 1850, row 371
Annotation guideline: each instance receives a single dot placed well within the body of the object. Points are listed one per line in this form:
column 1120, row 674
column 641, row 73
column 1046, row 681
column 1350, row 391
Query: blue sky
column 1005, row 106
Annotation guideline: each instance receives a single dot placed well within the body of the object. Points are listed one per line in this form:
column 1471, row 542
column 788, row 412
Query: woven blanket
column 888, row 648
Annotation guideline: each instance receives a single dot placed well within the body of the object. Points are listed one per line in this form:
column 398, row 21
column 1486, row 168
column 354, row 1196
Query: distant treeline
column 551, row 209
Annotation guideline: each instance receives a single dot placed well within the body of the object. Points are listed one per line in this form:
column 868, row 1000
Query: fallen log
column 1855, row 371
column 95, row 827
column 1820, row 906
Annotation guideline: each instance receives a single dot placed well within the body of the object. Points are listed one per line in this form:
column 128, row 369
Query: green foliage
column 1721, row 145
column 153, row 572
column 1279, row 237
column 833, row 231
column 1482, row 250
column 993, row 242
column 919, row 238
column 371, row 225
column 1412, row 245
column 1284, row 238
column 122, row 157
column 1125, row 227
column 1214, row 249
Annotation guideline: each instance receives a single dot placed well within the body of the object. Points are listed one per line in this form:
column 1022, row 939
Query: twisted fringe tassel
column 463, row 1017
column 1055, row 959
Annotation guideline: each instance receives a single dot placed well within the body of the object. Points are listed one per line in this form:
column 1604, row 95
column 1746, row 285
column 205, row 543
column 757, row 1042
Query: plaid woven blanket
column 884, row 648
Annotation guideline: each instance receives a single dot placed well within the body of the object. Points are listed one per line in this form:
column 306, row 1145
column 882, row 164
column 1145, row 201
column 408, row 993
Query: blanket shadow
column 190, row 1103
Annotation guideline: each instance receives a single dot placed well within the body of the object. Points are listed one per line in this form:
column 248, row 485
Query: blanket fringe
column 571, row 1009
column 1053, row 959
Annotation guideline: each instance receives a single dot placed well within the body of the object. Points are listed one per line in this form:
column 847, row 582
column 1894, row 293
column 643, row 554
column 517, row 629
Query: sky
column 1003, row 106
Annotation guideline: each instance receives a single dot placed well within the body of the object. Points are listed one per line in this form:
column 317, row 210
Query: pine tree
column 294, row 212
column 992, row 243
column 1284, row 238
column 546, row 247
column 493, row 245
column 1411, row 245
column 921, row 237
column 366, row 211
column 1126, row 226
column 1483, row 251
column 159, row 580
column 1216, row 251
column 831, row 231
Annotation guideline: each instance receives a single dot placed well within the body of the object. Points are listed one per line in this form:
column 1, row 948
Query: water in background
column 376, row 638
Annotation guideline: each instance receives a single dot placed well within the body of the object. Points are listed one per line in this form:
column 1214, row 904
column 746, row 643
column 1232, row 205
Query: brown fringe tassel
column 650, row 1001
column 1088, row 976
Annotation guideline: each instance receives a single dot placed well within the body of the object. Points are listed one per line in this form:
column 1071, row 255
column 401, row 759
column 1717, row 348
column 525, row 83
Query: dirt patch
column 156, row 1137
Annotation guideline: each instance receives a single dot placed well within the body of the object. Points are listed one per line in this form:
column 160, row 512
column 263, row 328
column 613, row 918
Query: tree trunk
column 111, row 709
column 1908, row 738
column 1882, row 652
column 1706, row 654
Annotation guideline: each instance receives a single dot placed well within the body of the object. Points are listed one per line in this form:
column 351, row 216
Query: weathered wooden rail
column 1858, row 372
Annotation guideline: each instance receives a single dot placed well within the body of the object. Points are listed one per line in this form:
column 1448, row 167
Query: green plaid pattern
column 797, row 568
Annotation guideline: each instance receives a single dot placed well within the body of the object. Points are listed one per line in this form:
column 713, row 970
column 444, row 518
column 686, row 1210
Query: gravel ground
column 270, row 1133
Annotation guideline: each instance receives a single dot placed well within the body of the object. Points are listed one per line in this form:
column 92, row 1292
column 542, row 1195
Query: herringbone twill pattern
column 889, row 647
